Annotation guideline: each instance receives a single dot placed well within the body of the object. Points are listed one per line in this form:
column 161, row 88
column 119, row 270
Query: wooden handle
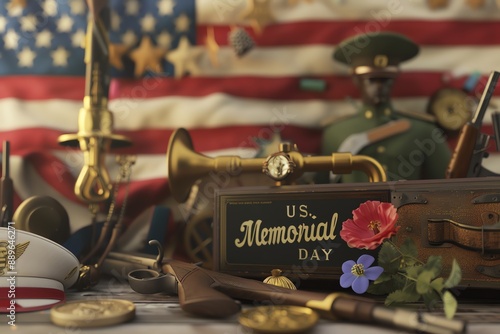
column 462, row 156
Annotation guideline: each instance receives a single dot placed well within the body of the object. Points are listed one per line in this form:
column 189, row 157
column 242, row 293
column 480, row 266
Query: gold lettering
column 303, row 253
column 246, row 227
column 292, row 229
column 327, row 254
column 277, row 235
column 263, row 236
column 333, row 226
column 303, row 211
column 315, row 255
column 254, row 234
column 321, row 231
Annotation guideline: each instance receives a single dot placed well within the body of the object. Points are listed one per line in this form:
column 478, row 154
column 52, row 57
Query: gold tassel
column 278, row 280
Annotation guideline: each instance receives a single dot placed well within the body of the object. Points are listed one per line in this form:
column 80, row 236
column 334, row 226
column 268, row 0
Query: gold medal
column 92, row 313
column 278, row 319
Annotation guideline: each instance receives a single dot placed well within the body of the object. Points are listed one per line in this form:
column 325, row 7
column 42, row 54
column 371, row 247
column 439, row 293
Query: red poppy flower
column 372, row 223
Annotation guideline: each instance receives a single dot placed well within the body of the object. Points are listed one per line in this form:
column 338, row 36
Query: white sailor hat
column 34, row 271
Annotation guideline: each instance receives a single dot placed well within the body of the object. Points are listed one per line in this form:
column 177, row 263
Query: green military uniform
column 421, row 151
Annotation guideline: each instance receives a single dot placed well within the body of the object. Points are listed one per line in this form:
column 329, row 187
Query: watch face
column 278, row 167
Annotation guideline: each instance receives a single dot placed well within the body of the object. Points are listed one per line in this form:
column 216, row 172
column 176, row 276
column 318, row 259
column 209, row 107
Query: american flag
column 196, row 81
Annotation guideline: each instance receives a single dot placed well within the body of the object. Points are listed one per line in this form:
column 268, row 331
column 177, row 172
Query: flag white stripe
column 212, row 111
column 317, row 60
column 377, row 11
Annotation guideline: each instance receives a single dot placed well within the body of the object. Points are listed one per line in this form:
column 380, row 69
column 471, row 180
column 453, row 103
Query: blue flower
column 358, row 274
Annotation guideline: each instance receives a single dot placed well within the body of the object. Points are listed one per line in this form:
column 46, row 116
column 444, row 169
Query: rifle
column 207, row 293
column 472, row 144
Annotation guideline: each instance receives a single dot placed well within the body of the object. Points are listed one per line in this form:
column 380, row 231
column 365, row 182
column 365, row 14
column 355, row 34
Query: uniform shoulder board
column 422, row 116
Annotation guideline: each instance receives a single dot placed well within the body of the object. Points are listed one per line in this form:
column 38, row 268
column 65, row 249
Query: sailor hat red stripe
column 31, row 294
column 34, row 271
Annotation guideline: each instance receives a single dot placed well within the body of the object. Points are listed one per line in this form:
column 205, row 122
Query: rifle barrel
column 485, row 99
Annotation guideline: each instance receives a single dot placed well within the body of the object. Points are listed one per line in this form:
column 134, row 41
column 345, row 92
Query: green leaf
column 389, row 258
column 386, row 286
column 438, row 284
column 384, row 277
column 434, row 264
column 455, row 275
column 414, row 271
column 424, row 281
column 411, row 290
column 409, row 249
column 450, row 304
column 401, row 296
column 398, row 296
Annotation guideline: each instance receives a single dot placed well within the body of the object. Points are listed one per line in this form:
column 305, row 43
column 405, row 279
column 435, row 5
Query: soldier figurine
column 407, row 145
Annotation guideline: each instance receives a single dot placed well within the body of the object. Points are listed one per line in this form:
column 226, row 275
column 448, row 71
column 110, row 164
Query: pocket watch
column 278, row 166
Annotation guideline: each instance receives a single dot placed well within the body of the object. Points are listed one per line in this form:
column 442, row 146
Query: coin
column 92, row 313
column 278, row 319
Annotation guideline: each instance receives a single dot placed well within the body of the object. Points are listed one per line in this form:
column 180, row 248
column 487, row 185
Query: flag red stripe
column 408, row 84
column 39, row 87
column 423, row 32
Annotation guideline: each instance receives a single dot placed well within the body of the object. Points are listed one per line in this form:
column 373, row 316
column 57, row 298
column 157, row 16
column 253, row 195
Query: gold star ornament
column 15, row 3
column 184, row 58
column 212, row 47
column 475, row 4
column 437, row 4
column 116, row 53
column 258, row 12
column 147, row 57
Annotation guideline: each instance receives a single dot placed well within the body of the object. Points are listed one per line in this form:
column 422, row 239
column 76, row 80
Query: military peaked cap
column 376, row 53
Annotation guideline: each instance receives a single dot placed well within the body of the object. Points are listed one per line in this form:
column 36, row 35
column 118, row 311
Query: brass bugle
column 185, row 166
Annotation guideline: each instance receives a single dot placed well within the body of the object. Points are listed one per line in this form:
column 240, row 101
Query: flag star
column 78, row 39
column 182, row 23
column 164, row 39
column 166, row 7
column 43, row 39
column 50, row 7
column 148, row 23
column 3, row 23
column 116, row 52
column 11, row 39
column 26, row 57
column 259, row 14
column 60, row 56
column 184, row 58
column 132, row 7
column 77, row 7
column 129, row 38
column 147, row 56
column 28, row 23
column 14, row 10
column 65, row 23
column 115, row 21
